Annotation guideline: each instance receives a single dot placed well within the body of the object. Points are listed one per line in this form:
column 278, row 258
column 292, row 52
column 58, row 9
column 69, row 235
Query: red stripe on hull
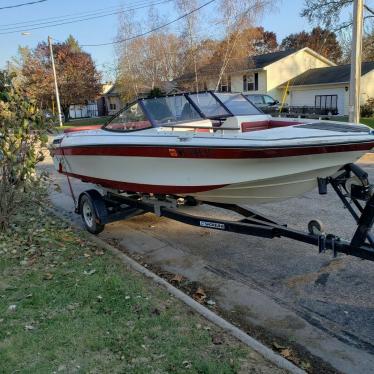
column 208, row 153
column 147, row 188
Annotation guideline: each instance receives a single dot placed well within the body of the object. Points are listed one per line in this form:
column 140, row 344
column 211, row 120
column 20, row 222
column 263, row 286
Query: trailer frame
column 351, row 184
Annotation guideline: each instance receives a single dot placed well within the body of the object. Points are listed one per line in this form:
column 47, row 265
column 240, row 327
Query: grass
column 368, row 121
column 67, row 306
column 83, row 122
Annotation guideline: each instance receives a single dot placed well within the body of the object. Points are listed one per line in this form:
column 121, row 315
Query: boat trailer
column 351, row 184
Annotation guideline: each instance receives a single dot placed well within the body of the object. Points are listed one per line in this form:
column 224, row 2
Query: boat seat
column 266, row 125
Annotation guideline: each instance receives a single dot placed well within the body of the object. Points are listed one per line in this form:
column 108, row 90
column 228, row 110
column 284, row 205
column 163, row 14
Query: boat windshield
column 130, row 119
column 209, row 105
column 181, row 108
column 237, row 104
column 170, row 110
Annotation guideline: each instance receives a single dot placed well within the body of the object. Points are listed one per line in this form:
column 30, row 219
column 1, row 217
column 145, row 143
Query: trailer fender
column 98, row 203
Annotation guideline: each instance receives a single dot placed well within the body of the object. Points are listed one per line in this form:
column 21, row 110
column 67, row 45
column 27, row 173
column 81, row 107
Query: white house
column 329, row 87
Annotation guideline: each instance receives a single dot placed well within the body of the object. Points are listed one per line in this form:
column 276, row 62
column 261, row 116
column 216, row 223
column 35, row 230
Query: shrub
column 367, row 110
column 23, row 137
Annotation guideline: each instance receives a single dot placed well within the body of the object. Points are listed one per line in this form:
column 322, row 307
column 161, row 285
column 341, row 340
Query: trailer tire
column 90, row 219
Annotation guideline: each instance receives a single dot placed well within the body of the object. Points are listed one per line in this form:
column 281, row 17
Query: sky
column 283, row 20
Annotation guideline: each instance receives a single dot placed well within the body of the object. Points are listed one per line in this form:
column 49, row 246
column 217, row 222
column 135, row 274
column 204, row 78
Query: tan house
column 269, row 71
column 301, row 77
column 110, row 102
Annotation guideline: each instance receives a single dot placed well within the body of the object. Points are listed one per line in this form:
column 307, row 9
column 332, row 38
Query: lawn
column 368, row 121
column 83, row 122
column 68, row 306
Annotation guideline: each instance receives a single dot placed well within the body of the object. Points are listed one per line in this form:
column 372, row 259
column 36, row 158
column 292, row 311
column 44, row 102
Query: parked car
column 266, row 103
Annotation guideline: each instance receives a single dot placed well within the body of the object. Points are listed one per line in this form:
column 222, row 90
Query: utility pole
column 355, row 83
column 55, row 78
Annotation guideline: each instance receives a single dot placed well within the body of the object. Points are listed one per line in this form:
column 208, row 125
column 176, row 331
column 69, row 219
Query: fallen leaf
column 99, row 252
column 89, row 272
column 217, row 339
column 12, row 307
column 177, row 278
column 29, row 327
column 211, row 302
column 305, row 365
column 48, row 276
column 278, row 346
column 72, row 306
column 199, row 295
column 286, row 352
column 187, row 364
column 99, row 298
column 87, row 255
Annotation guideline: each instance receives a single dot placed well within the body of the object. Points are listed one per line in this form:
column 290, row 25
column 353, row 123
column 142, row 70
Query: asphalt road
column 279, row 290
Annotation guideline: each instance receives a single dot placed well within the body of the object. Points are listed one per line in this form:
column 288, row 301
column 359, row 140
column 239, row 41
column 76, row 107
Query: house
column 264, row 74
column 299, row 77
column 329, row 87
column 110, row 101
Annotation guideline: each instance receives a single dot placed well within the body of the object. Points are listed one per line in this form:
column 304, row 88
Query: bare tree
column 237, row 15
column 190, row 33
column 146, row 62
column 327, row 13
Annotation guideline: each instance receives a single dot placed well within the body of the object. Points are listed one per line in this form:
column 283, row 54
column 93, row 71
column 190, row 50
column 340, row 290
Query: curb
column 257, row 346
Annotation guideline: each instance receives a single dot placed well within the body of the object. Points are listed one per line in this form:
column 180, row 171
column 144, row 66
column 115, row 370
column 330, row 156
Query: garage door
column 319, row 97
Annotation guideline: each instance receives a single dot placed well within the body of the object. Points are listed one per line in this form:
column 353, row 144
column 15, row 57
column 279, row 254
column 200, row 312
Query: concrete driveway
column 281, row 291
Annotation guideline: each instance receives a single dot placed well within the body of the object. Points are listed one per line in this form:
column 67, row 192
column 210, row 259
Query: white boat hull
column 237, row 181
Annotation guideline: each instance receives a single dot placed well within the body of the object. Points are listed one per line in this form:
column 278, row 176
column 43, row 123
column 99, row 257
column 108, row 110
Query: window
column 112, row 106
column 250, row 82
column 225, row 84
column 237, row 104
column 130, row 119
column 326, row 102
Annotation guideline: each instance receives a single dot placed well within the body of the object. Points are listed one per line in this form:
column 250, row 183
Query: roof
column 331, row 74
column 260, row 61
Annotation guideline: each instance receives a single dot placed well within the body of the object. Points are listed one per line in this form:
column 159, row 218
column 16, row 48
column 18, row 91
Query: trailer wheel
column 316, row 227
column 89, row 217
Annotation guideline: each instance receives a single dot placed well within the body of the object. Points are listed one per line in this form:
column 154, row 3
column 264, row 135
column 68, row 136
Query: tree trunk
column 66, row 111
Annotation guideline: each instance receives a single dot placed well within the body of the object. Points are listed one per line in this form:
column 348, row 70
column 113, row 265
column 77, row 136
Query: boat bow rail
column 351, row 185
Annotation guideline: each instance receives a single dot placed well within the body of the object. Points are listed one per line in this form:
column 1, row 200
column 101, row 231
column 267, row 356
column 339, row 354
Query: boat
column 213, row 146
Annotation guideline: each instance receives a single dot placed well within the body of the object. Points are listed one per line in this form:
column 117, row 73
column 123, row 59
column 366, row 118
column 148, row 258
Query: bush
column 23, row 136
column 367, row 110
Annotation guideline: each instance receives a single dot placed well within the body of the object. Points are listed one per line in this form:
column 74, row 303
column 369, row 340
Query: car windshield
column 256, row 99
column 237, row 104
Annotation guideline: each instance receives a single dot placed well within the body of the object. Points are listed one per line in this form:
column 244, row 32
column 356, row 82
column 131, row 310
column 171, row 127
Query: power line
column 23, row 4
column 150, row 31
column 20, row 29
column 65, row 17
